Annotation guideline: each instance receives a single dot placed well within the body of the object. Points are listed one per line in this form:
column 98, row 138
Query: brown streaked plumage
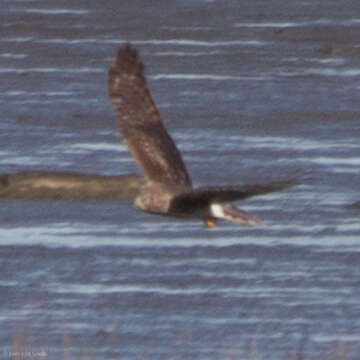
column 168, row 188
column 141, row 124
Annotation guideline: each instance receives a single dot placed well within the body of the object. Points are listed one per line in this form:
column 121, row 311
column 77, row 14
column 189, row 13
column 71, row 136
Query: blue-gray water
column 251, row 93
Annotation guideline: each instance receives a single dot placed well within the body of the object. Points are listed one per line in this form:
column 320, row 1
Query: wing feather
column 141, row 124
column 201, row 198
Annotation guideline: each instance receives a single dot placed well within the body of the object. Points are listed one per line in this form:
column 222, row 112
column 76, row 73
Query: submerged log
column 340, row 50
column 33, row 185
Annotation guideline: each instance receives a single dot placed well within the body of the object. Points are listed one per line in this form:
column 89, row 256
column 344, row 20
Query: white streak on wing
column 217, row 210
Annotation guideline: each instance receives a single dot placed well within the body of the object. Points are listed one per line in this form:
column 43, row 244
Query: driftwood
column 340, row 50
column 32, row 185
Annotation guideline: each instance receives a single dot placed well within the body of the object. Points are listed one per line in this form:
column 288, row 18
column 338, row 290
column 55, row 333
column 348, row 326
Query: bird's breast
column 155, row 198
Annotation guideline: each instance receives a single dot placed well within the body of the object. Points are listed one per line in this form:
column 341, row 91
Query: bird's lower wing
column 201, row 198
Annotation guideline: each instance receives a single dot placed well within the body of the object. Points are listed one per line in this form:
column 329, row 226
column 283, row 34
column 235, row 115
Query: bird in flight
column 167, row 189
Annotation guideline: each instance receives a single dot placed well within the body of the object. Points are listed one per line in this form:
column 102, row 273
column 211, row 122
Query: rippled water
column 252, row 92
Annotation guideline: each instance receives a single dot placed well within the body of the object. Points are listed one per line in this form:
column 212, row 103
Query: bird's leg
column 209, row 221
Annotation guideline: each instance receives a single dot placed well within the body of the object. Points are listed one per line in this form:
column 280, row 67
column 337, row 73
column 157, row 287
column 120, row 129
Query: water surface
column 251, row 93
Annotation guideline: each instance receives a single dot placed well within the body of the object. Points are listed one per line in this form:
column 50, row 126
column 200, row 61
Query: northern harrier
column 168, row 189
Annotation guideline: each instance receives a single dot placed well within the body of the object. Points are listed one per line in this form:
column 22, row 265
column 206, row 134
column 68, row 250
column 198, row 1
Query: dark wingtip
column 260, row 189
column 4, row 180
column 281, row 185
column 127, row 52
column 128, row 60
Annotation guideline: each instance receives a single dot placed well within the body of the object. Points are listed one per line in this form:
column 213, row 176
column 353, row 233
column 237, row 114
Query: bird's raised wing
column 140, row 122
